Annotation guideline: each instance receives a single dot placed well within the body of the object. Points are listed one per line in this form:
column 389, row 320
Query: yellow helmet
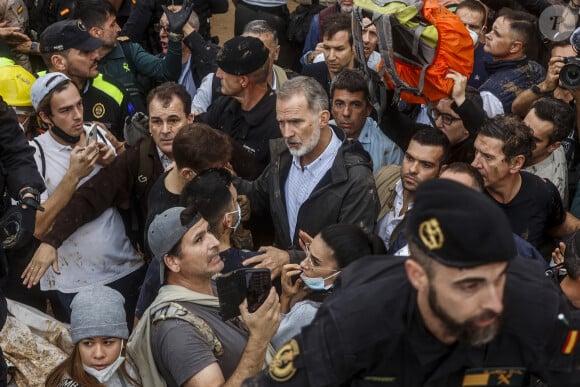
column 15, row 84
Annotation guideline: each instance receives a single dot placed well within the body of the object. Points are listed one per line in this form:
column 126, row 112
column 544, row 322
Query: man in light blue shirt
column 351, row 108
column 316, row 176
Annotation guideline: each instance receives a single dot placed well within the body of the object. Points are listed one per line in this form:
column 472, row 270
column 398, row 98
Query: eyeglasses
column 158, row 27
column 447, row 119
column 311, row 265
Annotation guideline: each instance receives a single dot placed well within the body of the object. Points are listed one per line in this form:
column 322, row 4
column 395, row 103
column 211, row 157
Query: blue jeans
column 129, row 286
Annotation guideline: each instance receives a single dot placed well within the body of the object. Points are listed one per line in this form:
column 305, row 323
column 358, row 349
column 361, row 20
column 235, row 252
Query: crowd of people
column 406, row 244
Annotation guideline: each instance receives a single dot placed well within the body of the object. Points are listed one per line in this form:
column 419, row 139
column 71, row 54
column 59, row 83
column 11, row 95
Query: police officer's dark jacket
column 345, row 194
column 17, row 166
column 369, row 333
column 252, row 128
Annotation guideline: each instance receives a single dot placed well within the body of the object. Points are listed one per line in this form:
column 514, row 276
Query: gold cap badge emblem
column 431, row 234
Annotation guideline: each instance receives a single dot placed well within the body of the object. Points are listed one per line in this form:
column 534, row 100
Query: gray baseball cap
column 165, row 232
column 44, row 85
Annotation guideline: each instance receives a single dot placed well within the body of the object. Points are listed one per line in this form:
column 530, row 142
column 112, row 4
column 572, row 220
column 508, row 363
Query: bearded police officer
column 461, row 311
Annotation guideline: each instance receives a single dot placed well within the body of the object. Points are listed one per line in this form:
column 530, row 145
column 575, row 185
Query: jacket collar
column 493, row 67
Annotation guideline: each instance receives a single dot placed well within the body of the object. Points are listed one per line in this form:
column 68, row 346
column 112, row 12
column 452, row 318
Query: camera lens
column 570, row 74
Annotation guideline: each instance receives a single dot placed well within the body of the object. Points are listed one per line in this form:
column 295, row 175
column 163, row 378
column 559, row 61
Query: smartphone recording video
column 232, row 288
column 92, row 135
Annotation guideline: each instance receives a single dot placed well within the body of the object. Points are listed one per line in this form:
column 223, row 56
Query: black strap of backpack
column 399, row 228
column 42, row 159
column 145, row 173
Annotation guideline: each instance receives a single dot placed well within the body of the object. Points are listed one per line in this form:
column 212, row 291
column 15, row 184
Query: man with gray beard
column 316, row 176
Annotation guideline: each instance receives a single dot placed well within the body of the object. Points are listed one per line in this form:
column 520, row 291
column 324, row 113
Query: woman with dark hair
column 306, row 285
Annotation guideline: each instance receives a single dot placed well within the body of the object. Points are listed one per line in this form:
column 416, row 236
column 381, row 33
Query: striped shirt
column 301, row 181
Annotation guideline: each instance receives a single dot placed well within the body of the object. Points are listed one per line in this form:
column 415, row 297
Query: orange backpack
column 419, row 42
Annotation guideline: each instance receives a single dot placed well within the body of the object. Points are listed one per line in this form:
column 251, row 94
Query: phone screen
column 258, row 287
column 92, row 136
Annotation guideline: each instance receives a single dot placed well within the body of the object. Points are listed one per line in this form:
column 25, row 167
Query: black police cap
column 67, row 34
column 242, row 55
column 458, row 226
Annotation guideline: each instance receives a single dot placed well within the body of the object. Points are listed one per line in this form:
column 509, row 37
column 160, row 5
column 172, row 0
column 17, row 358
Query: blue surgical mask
column 317, row 283
column 239, row 212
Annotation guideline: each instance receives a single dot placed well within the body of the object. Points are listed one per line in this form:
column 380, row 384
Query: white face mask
column 239, row 212
column 104, row 375
column 474, row 36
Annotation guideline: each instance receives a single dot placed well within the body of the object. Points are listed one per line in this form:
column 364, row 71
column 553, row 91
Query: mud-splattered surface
column 32, row 356
column 33, row 343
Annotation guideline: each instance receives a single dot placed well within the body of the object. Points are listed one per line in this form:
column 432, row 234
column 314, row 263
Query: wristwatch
column 34, row 201
column 536, row 90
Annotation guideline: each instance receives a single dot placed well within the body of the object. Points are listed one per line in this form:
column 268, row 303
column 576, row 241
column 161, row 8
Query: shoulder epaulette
column 508, row 376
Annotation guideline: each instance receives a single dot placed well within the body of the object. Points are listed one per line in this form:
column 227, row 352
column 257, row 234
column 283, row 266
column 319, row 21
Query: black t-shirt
column 159, row 200
column 536, row 208
column 462, row 152
column 181, row 350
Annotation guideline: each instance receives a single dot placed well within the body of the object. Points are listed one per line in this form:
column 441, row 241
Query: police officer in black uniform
column 19, row 180
column 461, row 311
column 43, row 13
